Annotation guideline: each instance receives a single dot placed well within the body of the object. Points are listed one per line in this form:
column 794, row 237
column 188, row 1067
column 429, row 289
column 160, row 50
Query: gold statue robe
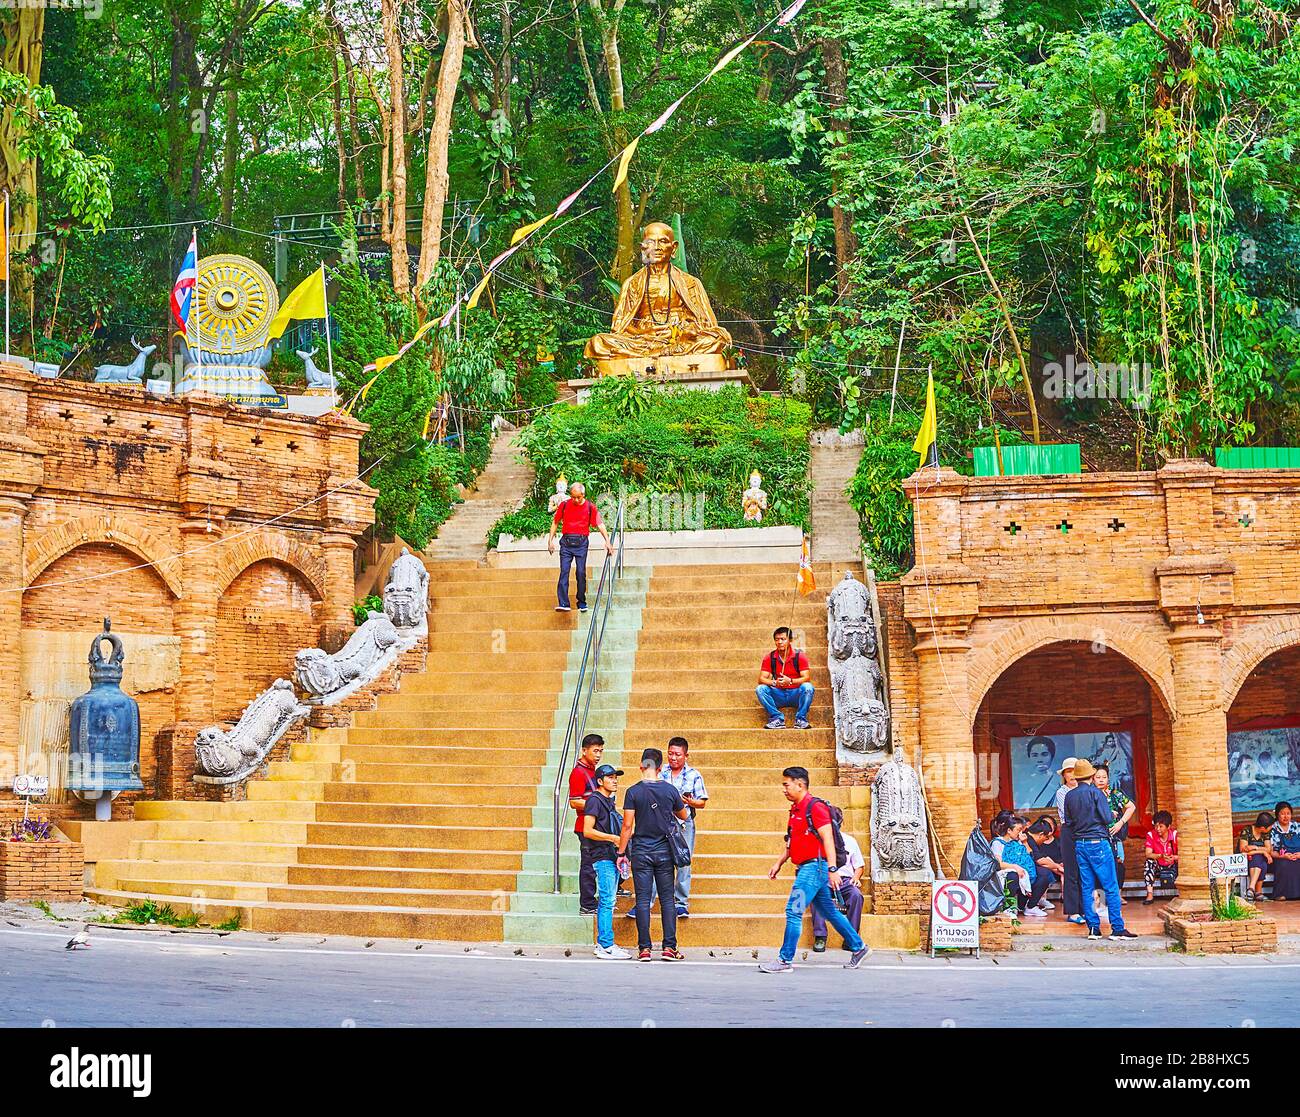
column 671, row 317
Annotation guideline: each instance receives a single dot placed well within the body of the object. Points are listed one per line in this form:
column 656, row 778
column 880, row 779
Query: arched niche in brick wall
column 1067, row 699
column 116, row 531
column 236, row 557
column 62, row 609
column 1262, row 753
column 264, row 616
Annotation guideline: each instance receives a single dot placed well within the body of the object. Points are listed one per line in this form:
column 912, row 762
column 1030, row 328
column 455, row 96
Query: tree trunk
column 435, row 181
column 837, row 89
column 230, row 151
column 397, row 144
column 625, row 232
column 354, row 129
column 23, row 31
column 339, row 145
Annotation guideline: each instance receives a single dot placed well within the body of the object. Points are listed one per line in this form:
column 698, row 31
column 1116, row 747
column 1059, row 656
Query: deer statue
column 125, row 374
column 315, row 377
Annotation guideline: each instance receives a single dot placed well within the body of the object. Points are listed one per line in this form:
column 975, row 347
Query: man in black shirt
column 1045, row 851
column 1088, row 818
column 649, row 808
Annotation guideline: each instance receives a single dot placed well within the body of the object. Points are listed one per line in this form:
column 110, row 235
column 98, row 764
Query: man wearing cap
column 601, row 827
column 1088, row 819
column 582, row 782
column 1070, row 900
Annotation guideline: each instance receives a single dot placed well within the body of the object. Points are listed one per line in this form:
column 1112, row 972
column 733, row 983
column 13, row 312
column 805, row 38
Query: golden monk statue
column 661, row 311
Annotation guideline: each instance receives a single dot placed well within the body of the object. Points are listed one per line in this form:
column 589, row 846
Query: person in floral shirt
column 1122, row 809
column 1284, row 847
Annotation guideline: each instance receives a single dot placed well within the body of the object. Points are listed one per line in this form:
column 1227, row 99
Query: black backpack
column 841, row 851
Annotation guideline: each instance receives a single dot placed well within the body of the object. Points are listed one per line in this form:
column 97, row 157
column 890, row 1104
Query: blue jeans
column 812, row 890
column 573, row 552
column 1097, row 870
column 773, row 696
column 606, row 887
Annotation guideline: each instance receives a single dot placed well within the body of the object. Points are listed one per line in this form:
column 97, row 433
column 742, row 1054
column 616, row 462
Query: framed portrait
column 1264, row 763
column 1032, row 755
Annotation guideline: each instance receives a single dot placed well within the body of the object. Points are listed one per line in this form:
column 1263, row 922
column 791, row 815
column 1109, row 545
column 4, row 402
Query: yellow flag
column 927, row 435
column 726, row 59
column 307, row 300
column 804, row 579
column 628, row 152
column 4, row 244
column 524, row 230
column 474, row 294
column 427, row 419
column 382, row 363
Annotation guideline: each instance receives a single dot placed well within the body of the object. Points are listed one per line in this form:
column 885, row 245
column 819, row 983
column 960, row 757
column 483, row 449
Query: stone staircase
column 497, row 490
column 703, row 633
column 834, row 460
column 431, row 815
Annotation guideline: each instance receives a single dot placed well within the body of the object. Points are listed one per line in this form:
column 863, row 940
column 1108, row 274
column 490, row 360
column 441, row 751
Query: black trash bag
column 979, row 865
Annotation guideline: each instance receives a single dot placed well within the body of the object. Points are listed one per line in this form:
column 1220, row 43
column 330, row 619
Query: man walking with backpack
column 575, row 518
column 650, row 812
column 811, row 843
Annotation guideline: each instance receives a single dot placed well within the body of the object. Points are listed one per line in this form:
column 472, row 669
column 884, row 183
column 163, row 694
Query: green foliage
column 149, row 911
column 44, row 908
column 698, row 447
column 1232, row 908
column 231, row 924
column 362, row 609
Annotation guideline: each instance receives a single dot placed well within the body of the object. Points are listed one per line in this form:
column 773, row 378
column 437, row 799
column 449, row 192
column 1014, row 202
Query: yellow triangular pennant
column 628, row 152
column 524, row 230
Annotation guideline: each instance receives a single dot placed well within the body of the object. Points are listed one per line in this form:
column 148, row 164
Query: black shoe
column 819, row 946
column 1117, row 936
column 1095, row 934
column 586, row 911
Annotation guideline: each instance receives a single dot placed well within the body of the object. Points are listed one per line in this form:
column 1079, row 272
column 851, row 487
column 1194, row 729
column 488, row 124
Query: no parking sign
column 954, row 914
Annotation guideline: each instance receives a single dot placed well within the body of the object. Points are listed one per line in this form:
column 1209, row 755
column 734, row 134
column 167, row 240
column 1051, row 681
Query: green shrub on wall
column 682, row 458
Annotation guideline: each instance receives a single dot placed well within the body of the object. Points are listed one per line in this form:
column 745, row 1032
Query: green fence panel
column 1028, row 461
column 1257, row 457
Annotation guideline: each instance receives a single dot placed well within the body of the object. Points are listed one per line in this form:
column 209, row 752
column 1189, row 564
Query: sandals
column 1148, row 900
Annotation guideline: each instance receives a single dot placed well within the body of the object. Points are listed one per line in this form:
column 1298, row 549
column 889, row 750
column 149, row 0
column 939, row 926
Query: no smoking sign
column 954, row 915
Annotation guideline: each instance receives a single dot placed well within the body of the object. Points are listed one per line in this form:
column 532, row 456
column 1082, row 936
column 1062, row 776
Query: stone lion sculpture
column 899, row 835
column 228, row 755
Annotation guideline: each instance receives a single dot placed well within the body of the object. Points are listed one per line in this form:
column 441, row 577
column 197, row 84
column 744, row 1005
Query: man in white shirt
column 850, row 874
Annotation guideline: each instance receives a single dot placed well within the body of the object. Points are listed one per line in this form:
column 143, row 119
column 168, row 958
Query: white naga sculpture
column 861, row 719
column 406, row 595
column 900, row 848
column 227, row 756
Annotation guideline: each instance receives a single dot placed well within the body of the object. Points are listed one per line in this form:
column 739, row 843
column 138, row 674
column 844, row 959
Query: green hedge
column 699, row 447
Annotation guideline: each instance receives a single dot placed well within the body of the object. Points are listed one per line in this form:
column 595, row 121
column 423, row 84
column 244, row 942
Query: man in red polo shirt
column 575, row 518
column 810, row 844
column 582, row 782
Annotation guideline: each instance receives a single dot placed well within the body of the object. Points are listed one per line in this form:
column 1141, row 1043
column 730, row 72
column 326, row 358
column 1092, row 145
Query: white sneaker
column 1046, row 905
column 612, row 953
column 1034, row 913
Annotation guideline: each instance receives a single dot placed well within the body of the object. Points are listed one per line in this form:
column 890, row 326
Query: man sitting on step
column 783, row 681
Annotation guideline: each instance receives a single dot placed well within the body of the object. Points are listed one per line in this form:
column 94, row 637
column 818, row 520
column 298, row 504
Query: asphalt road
column 140, row 978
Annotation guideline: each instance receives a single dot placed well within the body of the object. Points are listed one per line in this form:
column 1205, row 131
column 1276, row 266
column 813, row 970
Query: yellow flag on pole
column 4, row 244
column 524, row 230
column 307, row 300
column 805, row 580
column 926, row 437
column 621, row 176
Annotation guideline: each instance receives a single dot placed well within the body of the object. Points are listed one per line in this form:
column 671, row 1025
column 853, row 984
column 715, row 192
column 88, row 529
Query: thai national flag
column 183, row 291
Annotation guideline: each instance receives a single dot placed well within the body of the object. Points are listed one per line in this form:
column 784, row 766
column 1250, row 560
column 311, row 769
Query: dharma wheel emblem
column 236, row 301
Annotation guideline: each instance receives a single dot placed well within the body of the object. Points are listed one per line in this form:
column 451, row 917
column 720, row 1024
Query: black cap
column 607, row 770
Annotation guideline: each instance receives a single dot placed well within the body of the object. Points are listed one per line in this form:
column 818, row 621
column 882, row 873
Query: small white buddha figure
column 560, row 495
column 754, row 499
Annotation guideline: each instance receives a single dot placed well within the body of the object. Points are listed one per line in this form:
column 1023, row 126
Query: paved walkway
column 133, row 976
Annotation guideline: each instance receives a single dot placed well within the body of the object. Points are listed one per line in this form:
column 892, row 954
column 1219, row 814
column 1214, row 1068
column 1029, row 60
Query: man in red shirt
column 582, row 782
column 575, row 518
column 810, row 844
column 783, row 681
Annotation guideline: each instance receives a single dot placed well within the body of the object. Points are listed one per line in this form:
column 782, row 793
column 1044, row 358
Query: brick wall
column 41, row 871
column 151, row 511
column 263, row 619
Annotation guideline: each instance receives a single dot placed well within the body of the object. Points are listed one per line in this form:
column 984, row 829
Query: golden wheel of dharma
column 236, row 301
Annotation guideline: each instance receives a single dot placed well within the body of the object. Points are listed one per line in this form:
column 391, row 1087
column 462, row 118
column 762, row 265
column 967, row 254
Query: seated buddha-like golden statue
column 662, row 312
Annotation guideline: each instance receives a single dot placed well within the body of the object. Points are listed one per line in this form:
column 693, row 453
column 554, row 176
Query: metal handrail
column 588, row 671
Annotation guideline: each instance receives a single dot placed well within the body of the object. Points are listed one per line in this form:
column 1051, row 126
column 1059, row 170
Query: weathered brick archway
column 275, row 547
column 112, row 528
column 1014, row 642
column 1271, row 636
